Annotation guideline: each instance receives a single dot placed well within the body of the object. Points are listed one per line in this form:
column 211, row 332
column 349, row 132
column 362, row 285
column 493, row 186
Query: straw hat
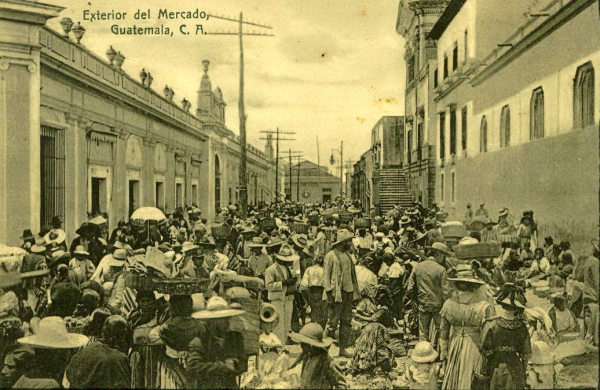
column 217, row 307
column 503, row 212
column 310, row 249
column 300, row 240
column 343, row 235
column 59, row 257
column 80, row 250
column 404, row 220
column 257, row 242
column 311, row 334
column 286, row 254
column 120, row 254
column 440, row 247
column 207, row 242
column 188, row 246
column 51, row 333
column 423, row 353
column 55, row 235
column 464, row 273
column 39, row 246
column 541, row 353
column 98, row 220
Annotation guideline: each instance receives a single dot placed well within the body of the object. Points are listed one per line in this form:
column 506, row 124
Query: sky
column 332, row 70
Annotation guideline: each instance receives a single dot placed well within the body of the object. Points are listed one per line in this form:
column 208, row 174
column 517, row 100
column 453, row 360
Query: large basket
column 300, row 228
column 220, row 231
column 268, row 223
column 478, row 250
column 180, row 286
column 345, row 216
column 454, row 231
column 139, row 282
column 362, row 223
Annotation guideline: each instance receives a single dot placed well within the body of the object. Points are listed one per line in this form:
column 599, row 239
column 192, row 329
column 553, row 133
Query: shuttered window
column 52, row 174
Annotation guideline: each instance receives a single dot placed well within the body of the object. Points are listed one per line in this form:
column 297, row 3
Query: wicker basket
column 180, row 286
column 345, row 216
column 138, row 282
column 220, row 231
column 454, row 231
column 268, row 223
column 478, row 250
column 362, row 223
column 300, row 228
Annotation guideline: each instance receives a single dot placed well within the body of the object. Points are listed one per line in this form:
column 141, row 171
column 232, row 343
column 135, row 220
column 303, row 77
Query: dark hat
column 512, row 295
column 56, row 222
column 27, row 234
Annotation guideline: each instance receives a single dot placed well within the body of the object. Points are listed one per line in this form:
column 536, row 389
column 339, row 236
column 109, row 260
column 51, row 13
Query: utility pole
column 277, row 139
column 242, row 185
column 290, row 161
column 298, row 182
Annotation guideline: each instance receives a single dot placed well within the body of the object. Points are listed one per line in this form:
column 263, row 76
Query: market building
column 308, row 182
column 517, row 120
column 82, row 137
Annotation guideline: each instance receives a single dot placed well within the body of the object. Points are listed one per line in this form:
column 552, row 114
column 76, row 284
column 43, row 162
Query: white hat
column 217, row 307
column 51, row 333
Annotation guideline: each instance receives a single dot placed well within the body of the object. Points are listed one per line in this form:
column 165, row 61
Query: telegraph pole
column 243, row 187
column 277, row 139
column 290, row 160
column 298, row 182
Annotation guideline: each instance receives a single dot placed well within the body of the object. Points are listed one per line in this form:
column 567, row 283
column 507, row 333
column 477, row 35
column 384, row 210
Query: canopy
column 148, row 214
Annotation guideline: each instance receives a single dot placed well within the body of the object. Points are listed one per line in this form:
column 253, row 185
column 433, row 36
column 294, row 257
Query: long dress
column 461, row 325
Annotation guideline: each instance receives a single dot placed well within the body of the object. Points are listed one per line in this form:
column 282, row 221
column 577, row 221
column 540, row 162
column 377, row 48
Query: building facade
column 82, row 137
column 362, row 180
column 415, row 21
column 518, row 118
column 308, row 182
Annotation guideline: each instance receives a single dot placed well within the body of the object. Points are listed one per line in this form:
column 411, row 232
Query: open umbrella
column 148, row 214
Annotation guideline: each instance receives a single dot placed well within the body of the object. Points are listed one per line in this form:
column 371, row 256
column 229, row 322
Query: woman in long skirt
column 462, row 318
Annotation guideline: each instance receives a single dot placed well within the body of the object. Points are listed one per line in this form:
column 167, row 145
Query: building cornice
column 520, row 43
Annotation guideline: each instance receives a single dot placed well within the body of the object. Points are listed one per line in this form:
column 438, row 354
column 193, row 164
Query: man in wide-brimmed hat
column 341, row 288
column 280, row 283
column 81, row 262
column 259, row 260
column 319, row 371
column 28, row 239
column 51, row 343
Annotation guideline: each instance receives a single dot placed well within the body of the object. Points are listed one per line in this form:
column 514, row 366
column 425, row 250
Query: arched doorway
column 217, row 184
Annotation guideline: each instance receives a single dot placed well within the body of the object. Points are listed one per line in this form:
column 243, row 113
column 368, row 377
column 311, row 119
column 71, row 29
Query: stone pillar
column 118, row 200
column 147, row 174
column 20, row 83
column 170, row 180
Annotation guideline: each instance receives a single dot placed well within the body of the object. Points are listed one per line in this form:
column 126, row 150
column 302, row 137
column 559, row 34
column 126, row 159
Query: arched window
column 505, row 127
column 583, row 96
column 536, row 126
column 483, row 133
column 217, row 184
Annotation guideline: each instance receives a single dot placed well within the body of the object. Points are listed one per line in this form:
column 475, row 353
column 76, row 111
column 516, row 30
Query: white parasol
column 148, row 214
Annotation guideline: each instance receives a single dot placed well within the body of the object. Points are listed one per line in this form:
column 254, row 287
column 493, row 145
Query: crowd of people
column 379, row 287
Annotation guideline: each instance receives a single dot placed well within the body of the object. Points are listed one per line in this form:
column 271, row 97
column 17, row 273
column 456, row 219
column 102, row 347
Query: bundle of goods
column 268, row 223
column 479, row 250
column 478, row 223
column 11, row 258
column 441, row 216
column 220, row 231
column 345, row 216
column 454, row 229
column 299, row 227
column 362, row 223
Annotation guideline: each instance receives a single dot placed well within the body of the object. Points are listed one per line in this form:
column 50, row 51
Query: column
column 147, row 174
column 20, row 84
column 170, row 180
column 118, row 202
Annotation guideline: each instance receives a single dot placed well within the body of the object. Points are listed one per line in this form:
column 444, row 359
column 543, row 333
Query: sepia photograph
column 299, row 194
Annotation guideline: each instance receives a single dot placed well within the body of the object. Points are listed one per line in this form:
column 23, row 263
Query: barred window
column 583, row 96
column 463, row 124
column 483, row 132
column 505, row 127
column 442, row 134
column 536, row 127
column 52, row 174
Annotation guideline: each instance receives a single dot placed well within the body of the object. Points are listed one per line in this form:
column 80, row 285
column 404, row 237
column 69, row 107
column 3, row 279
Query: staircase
column 393, row 189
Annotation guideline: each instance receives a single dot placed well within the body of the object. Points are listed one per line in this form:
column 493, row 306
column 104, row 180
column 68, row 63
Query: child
column 318, row 368
column 422, row 373
column 563, row 319
column 540, row 374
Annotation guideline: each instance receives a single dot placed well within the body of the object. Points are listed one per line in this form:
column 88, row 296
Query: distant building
column 362, row 180
column 517, row 111
column 415, row 20
column 310, row 183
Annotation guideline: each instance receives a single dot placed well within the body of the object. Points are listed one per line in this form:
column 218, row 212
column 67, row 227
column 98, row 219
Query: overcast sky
column 332, row 69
